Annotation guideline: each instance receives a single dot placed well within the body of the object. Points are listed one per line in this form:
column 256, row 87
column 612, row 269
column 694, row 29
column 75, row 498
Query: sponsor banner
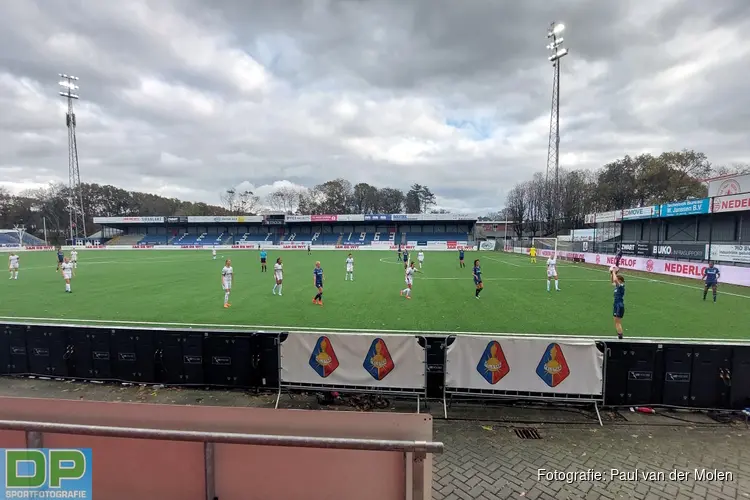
column 729, row 185
column 694, row 251
column 128, row 220
column 381, row 243
column 377, row 217
column 351, row 218
column 294, row 246
column 590, row 219
column 734, row 203
column 323, row 218
column 612, row 216
column 691, row 207
column 729, row 274
column 177, row 219
column 487, row 245
column 392, row 361
column 731, row 253
column 422, row 244
column 414, row 217
column 407, row 247
column 194, row 247
column 348, row 247
column 640, row 213
column 225, row 219
column 525, row 365
column 635, row 248
column 399, row 217
column 297, row 218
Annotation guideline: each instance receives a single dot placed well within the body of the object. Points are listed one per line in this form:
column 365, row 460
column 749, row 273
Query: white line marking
column 503, row 262
column 301, row 329
column 390, row 261
column 522, row 279
column 652, row 280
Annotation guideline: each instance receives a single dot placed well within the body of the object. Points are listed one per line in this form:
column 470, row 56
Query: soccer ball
column 613, row 269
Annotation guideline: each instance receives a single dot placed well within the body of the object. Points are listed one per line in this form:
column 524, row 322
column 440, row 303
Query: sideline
column 652, row 280
column 303, row 329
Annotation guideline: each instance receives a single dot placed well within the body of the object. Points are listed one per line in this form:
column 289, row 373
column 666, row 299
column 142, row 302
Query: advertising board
column 729, row 185
column 690, row 207
column 640, row 213
column 735, row 203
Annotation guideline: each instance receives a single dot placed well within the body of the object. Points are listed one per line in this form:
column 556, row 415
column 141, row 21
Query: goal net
column 545, row 247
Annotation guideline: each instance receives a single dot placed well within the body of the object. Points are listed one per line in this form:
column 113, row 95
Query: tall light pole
column 553, row 148
column 75, row 194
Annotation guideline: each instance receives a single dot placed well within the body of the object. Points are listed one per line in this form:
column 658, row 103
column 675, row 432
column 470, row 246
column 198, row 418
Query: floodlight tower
column 75, row 193
column 553, row 147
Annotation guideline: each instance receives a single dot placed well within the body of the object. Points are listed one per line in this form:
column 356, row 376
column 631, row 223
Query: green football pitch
column 182, row 289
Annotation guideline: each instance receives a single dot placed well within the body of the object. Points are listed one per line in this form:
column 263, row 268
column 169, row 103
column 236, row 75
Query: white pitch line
column 503, row 262
column 633, row 276
column 518, row 279
column 305, row 329
column 390, row 261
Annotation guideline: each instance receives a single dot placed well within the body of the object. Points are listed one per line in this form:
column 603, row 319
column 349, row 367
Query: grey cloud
column 364, row 90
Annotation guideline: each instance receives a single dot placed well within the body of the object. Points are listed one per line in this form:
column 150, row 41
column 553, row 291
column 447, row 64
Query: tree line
column 48, row 206
column 538, row 209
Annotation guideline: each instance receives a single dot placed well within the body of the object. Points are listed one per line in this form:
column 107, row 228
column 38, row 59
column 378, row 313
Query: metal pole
column 226, row 437
column 44, row 224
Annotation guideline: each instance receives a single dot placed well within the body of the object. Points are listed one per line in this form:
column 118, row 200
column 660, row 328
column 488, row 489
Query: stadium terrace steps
column 126, row 239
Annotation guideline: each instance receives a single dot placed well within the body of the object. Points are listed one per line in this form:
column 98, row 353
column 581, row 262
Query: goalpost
column 545, row 246
column 16, row 232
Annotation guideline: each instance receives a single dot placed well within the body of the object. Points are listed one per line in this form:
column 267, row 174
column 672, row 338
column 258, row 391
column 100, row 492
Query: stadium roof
column 258, row 219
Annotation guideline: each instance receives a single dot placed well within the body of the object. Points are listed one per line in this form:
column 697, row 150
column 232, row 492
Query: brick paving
column 488, row 461
column 485, row 460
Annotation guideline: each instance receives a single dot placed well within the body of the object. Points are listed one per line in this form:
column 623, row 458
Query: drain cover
column 527, row 433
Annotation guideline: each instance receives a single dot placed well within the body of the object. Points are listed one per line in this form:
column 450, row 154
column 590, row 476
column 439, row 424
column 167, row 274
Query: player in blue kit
column 406, row 258
column 711, row 276
column 461, row 258
column 399, row 252
column 263, row 257
column 478, row 279
column 618, row 308
column 60, row 258
column 318, row 282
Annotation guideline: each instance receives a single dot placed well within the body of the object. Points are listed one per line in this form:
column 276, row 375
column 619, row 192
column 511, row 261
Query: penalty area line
column 303, row 329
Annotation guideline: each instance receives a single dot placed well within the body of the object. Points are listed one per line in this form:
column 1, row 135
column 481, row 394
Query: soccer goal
column 545, row 247
column 16, row 233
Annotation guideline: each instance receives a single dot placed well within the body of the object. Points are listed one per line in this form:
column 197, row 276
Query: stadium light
column 67, row 84
column 555, row 46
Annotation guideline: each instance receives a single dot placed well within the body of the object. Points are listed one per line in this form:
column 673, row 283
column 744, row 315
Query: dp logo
column 46, row 473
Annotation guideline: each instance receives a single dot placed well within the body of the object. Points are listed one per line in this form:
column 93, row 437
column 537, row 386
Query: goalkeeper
column 532, row 253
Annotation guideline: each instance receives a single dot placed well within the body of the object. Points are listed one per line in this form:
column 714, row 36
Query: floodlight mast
column 553, row 147
column 75, row 192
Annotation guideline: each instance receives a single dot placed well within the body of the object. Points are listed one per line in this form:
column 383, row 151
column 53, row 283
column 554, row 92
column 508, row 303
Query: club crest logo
column 323, row 358
column 553, row 369
column 598, row 258
column 650, row 265
column 492, row 365
column 728, row 187
column 378, row 361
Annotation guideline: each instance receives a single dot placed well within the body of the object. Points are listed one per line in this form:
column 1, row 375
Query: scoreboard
column 273, row 220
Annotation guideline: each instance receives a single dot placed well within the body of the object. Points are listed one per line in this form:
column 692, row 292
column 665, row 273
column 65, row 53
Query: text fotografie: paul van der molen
column 590, row 475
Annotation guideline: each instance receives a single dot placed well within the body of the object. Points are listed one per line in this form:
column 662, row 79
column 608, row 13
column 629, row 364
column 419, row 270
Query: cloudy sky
column 187, row 97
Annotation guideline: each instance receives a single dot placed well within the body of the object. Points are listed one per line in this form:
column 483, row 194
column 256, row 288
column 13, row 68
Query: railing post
column 34, row 439
column 420, row 488
column 209, row 464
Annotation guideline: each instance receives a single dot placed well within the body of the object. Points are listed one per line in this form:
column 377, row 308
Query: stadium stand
column 128, row 239
column 365, row 238
column 251, row 238
column 11, row 239
column 436, row 236
column 151, row 239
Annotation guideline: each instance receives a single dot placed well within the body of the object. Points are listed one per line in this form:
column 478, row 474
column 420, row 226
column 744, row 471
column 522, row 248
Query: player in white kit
column 74, row 258
column 66, row 269
column 350, row 268
column 227, row 273
column 420, row 258
column 552, row 272
column 213, row 254
column 278, row 276
column 13, row 266
column 409, row 279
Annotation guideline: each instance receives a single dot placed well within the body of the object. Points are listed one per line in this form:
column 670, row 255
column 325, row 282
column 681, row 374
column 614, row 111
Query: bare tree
column 285, row 199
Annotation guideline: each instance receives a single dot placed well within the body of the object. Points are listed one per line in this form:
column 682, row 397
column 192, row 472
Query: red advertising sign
column 732, row 203
column 324, row 218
